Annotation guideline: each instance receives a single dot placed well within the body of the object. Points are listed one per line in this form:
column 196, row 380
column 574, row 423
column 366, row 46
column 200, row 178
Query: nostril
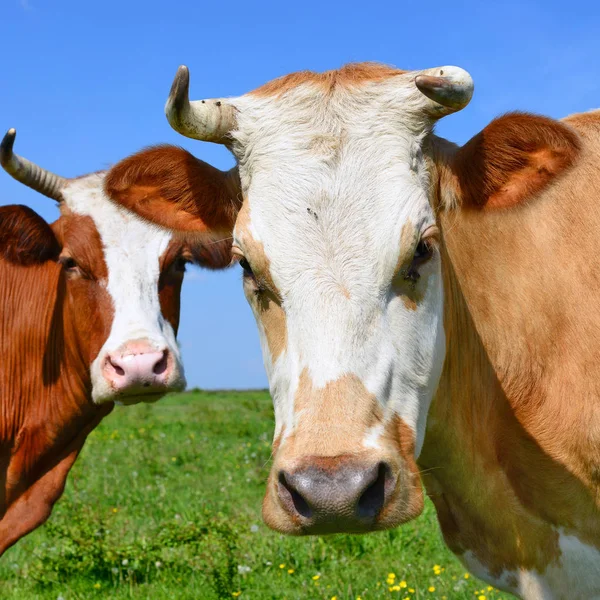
column 373, row 498
column 118, row 370
column 161, row 366
column 292, row 497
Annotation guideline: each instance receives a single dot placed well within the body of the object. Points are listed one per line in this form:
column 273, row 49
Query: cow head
column 122, row 276
column 338, row 243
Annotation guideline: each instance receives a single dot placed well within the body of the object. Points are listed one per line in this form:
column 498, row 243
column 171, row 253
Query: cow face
column 338, row 243
column 122, row 278
column 339, row 248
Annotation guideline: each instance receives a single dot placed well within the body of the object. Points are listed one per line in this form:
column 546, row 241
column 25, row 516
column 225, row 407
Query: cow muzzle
column 342, row 494
column 138, row 371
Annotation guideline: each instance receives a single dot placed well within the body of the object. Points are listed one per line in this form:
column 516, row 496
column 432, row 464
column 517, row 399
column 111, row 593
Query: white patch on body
column 575, row 575
column 132, row 251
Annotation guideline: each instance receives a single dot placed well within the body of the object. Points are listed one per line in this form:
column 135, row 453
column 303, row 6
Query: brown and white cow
column 421, row 304
column 89, row 309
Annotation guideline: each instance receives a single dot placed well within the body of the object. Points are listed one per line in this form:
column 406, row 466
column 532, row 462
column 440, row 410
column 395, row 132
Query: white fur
column 132, row 250
column 575, row 574
column 331, row 180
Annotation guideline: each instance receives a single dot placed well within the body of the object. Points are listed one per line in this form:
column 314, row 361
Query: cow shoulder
column 169, row 186
column 25, row 238
column 514, row 158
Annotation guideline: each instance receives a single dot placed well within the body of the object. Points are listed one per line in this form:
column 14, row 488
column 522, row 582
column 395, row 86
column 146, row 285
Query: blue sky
column 84, row 83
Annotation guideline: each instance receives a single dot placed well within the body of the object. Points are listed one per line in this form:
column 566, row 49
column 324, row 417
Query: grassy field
column 164, row 503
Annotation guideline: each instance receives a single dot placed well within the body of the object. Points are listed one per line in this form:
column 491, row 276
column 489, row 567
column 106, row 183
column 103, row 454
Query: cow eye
column 246, row 266
column 423, row 252
column 179, row 264
column 68, row 263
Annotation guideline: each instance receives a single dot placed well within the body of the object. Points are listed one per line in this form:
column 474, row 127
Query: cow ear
column 25, row 238
column 168, row 186
column 514, row 158
column 210, row 254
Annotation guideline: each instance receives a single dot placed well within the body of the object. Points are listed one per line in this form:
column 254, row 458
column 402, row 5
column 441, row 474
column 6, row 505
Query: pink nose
column 138, row 366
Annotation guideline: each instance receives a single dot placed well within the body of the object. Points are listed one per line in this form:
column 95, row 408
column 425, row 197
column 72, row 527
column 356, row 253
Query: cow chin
column 354, row 492
column 103, row 393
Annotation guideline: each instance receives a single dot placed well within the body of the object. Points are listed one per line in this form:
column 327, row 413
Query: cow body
column 422, row 308
column 512, row 449
column 89, row 309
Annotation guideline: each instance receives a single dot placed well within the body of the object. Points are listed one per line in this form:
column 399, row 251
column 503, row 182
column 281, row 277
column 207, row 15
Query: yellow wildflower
column 282, row 566
column 403, row 584
column 391, row 575
column 431, row 589
column 482, row 597
column 236, row 594
column 290, row 571
column 467, row 576
column 97, row 586
column 315, row 577
column 115, row 510
column 411, row 590
column 174, row 458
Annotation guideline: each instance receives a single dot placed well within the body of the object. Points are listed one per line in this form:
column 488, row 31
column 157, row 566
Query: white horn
column 207, row 120
column 450, row 89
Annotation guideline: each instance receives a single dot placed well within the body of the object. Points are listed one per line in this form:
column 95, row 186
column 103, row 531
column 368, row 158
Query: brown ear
column 170, row 187
column 210, row 254
column 25, row 238
column 514, row 158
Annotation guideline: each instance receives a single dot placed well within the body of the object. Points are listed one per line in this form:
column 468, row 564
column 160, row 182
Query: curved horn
column 207, row 120
column 451, row 88
column 26, row 172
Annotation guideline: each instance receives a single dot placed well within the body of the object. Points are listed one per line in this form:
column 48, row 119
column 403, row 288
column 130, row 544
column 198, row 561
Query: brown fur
column 514, row 158
column 53, row 323
column 152, row 181
column 512, row 436
column 45, row 412
column 261, row 291
column 350, row 75
column 25, row 238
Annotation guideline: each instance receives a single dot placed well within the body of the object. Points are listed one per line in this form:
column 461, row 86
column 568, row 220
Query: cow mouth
column 148, row 396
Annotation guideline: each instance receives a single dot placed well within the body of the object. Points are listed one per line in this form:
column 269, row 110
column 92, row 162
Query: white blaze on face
column 332, row 179
column 132, row 252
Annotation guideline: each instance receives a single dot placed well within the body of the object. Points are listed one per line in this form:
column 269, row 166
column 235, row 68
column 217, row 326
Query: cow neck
column 466, row 462
column 44, row 374
column 498, row 434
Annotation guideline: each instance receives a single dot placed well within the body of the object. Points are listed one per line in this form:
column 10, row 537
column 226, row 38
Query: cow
column 89, row 310
column 424, row 310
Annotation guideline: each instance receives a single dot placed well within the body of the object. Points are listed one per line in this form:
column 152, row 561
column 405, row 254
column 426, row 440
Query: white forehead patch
column 331, row 178
column 132, row 251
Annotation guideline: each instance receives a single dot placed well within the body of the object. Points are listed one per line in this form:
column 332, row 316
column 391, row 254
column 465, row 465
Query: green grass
column 164, row 502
